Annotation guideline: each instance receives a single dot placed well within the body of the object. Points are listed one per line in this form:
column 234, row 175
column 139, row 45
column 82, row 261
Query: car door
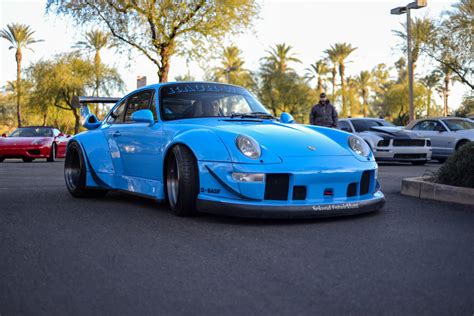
column 435, row 131
column 111, row 129
column 139, row 143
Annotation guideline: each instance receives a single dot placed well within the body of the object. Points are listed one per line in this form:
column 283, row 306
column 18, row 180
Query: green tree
column 318, row 71
column 20, row 37
column 95, row 41
column 332, row 58
column 363, row 82
column 232, row 68
column 453, row 34
column 430, row 82
column 160, row 29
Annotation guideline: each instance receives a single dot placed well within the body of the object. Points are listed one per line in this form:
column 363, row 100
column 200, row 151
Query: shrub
column 458, row 170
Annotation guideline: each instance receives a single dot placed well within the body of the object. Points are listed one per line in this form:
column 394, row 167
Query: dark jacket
column 323, row 114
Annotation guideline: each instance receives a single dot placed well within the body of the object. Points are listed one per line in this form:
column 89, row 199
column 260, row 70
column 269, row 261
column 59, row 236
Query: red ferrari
column 29, row 143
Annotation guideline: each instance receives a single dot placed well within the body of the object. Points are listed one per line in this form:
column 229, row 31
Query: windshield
column 191, row 100
column 457, row 125
column 32, row 132
column 365, row 125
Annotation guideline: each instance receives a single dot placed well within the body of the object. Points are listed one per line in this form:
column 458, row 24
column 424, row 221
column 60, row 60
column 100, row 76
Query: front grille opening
column 409, row 156
column 34, row 151
column 276, row 186
column 365, row 182
column 299, row 192
column 328, row 192
column 409, row 142
column 352, row 189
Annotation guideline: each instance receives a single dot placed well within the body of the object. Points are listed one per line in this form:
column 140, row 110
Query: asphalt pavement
column 128, row 255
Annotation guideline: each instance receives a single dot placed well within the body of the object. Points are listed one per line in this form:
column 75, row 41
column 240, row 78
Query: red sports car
column 34, row 142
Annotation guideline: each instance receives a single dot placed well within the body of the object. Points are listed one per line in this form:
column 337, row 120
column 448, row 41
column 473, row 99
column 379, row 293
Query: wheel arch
column 461, row 141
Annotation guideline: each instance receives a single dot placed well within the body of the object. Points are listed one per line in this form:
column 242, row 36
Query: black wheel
column 27, row 159
column 75, row 173
column 442, row 160
column 419, row 163
column 2, row 159
column 52, row 154
column 182, row 181
column 461, row 143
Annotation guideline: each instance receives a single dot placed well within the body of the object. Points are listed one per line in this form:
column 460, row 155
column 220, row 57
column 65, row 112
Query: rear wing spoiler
column 89, row 120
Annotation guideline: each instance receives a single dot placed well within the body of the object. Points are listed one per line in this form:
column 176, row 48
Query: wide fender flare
column 205, row 145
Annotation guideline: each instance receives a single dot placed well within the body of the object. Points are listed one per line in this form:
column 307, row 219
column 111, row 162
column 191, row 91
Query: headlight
column 248, row 147
column 40, row 142
column 359, row 146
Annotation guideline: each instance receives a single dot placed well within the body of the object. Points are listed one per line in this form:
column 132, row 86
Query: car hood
column 284, row 140
column 20, row 141
column 391, row 132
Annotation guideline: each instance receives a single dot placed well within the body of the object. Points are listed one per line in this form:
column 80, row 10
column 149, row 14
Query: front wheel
column 75, row 173
column 52, row 154
column 182, row 181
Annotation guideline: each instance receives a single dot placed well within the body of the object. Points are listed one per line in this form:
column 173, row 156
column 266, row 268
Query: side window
column 343, row 125
column 140, row 101
column 56, row 132
column 427, row 126
column 116, row 116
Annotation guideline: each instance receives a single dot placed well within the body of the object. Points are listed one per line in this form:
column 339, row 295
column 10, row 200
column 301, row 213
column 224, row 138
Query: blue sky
column 309, row 26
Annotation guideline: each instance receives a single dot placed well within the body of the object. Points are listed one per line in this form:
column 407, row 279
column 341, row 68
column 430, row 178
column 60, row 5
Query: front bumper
column 33, row 151
column 262, row 210
column 394, row 153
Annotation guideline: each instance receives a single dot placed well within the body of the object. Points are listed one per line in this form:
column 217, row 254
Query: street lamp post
column 401, row 10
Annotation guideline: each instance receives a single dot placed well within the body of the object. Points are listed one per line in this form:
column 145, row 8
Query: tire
column 419, row 163
column 2, row 159
column 182, row 181
column 461, row 143
column 75, row 173
column 442, row 160
column 27, row 159
column 52, row 154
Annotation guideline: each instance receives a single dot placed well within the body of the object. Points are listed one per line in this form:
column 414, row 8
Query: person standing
column 323, row 113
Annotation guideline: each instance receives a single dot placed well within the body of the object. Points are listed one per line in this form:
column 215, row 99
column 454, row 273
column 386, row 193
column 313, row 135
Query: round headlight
column 359, row 146
column 248, row 147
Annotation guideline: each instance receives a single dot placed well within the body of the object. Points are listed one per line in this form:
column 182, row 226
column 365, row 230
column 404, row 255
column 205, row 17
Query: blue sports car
column 214, row 148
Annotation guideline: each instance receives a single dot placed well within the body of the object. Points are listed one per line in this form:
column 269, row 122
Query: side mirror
column 287, row 118
column 143, row 116
column 4, row 135
column 91, row 122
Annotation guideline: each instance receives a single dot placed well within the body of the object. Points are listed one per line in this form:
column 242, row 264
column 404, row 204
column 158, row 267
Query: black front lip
column 290, row 211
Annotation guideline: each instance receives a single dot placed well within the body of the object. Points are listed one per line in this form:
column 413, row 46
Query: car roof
column 161, row 84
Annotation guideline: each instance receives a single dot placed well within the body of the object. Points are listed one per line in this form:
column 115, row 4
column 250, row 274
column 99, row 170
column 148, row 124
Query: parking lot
column 128, row 255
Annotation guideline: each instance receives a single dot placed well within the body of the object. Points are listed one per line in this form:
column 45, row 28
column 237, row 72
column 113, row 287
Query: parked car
column 447, row 134
column 389, row 142
column 32, row 142
column 214, row 148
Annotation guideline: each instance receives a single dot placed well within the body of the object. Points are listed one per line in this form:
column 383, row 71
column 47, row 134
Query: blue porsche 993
column 210, row 147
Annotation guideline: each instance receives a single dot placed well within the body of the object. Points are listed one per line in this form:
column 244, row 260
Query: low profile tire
column 52, row 154
column 27, row 159
column 419, row 163
column 75, row 173
column 182, row 181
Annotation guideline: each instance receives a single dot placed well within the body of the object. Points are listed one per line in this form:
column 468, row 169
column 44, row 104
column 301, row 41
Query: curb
column 418, row 187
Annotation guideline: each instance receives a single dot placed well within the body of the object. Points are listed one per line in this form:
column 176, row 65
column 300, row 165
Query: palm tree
column 95, row 41
column 280, row 56
column 430, row 81
column 447, row 74
column 231, row 69
column 363, row 83
column 20, row 36
column 332, row 58
column 318, row 71
column 341, row 51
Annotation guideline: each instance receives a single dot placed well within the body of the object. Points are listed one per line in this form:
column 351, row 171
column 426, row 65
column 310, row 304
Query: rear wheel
column 75, row 173
column 25, row 159
column 182, row 181
column 52, row 154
